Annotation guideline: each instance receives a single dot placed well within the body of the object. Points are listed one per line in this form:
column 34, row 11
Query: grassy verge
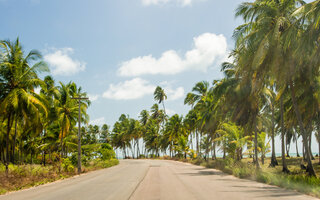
column 25, row 176
column 297, row 179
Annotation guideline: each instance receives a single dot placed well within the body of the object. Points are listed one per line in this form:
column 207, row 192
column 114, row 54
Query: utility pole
column 79, row 132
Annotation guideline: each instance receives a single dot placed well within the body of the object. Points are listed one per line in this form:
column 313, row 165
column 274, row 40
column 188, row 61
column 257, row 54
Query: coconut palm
column 160, row 96
column 18, row 81
column 174, row 128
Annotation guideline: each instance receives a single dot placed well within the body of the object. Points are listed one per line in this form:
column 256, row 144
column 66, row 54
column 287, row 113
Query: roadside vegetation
column 271, row 87
column 245, row 169
column 38, row 134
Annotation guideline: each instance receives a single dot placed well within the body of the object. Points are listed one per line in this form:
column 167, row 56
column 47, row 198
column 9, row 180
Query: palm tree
column 270, row 27
column 199, row 91
column 174, row 128
column 67, row 111
column 105, row 134
column 160, row 96
column 235, row 139
column 18, row 80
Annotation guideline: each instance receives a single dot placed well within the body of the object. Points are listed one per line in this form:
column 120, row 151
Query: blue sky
column 119, row 51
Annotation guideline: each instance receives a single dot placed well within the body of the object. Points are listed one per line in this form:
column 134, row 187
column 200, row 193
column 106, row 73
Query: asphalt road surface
column 154, row 179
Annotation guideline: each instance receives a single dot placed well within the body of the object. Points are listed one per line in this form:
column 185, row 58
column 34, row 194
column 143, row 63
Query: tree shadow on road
column 205, row 173
column 271, row 191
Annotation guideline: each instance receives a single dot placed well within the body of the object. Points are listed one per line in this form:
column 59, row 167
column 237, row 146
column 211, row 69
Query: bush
column 197, row 161
column 74, row 159
column 85, row 160
column 106, row 152
column 67, row 165
column 142, row 156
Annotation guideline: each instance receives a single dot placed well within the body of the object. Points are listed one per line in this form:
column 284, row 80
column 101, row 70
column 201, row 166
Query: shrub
column 67, row 165
column 85, row 160
column 142, row 156
column 74, row 159
column 106, row 152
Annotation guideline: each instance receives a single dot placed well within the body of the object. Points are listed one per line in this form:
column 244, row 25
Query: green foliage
column 2, row 191
column 74, row 159
column 300, row 182
column 105, row 163
column 85, row 160
column 67, row 165
column 106, row 152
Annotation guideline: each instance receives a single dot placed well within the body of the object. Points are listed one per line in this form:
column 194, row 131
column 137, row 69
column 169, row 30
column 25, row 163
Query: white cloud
column 161, row 2
column 93, row 98
column 99, row 121
column 208, row 49
column 37, row 90
column 61, row 63
column 132, row 89
column 172, row 94
column 175, row 94
column 138, row 88
column 170, row 112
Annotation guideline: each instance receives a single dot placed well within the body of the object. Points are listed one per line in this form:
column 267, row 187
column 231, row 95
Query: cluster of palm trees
column 154, row 129
column 271, row 87
column 34, row 124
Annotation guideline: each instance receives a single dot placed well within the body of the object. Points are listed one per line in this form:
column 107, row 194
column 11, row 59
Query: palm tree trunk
column 138, row 150
column 164, row 108
column 14, row 141
column 303, row 132
column 191, row 144
column 256, row 143
column 214, row 157
column 303, row 151
column 297, row 150
column 7, row 144
column 197, row 140
column 61, row 152
column 274, row 161
column 284, row 163
column 132, row 150
column 171, row 149
column 310, row 136
column 288, row 149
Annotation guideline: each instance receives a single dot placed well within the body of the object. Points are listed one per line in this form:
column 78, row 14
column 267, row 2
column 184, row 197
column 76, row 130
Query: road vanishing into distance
column 154, row 179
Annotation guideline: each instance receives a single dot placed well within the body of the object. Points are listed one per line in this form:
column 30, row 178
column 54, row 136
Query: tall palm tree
column 270, row 27
column 18, row 80
column 67, row 112
column 174, row 128
column 160, row 96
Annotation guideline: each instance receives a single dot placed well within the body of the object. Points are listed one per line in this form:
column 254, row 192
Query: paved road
column 154, row 179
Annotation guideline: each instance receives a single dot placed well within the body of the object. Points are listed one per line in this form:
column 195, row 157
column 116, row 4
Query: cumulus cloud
column 208, row 49
column 92, row 97
column 175, row 94
column 99, row 121
column 61, row 63
column 170, row 112
column 161, row 2
column 172, row 94
column 137, row 88
column 131, row 89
